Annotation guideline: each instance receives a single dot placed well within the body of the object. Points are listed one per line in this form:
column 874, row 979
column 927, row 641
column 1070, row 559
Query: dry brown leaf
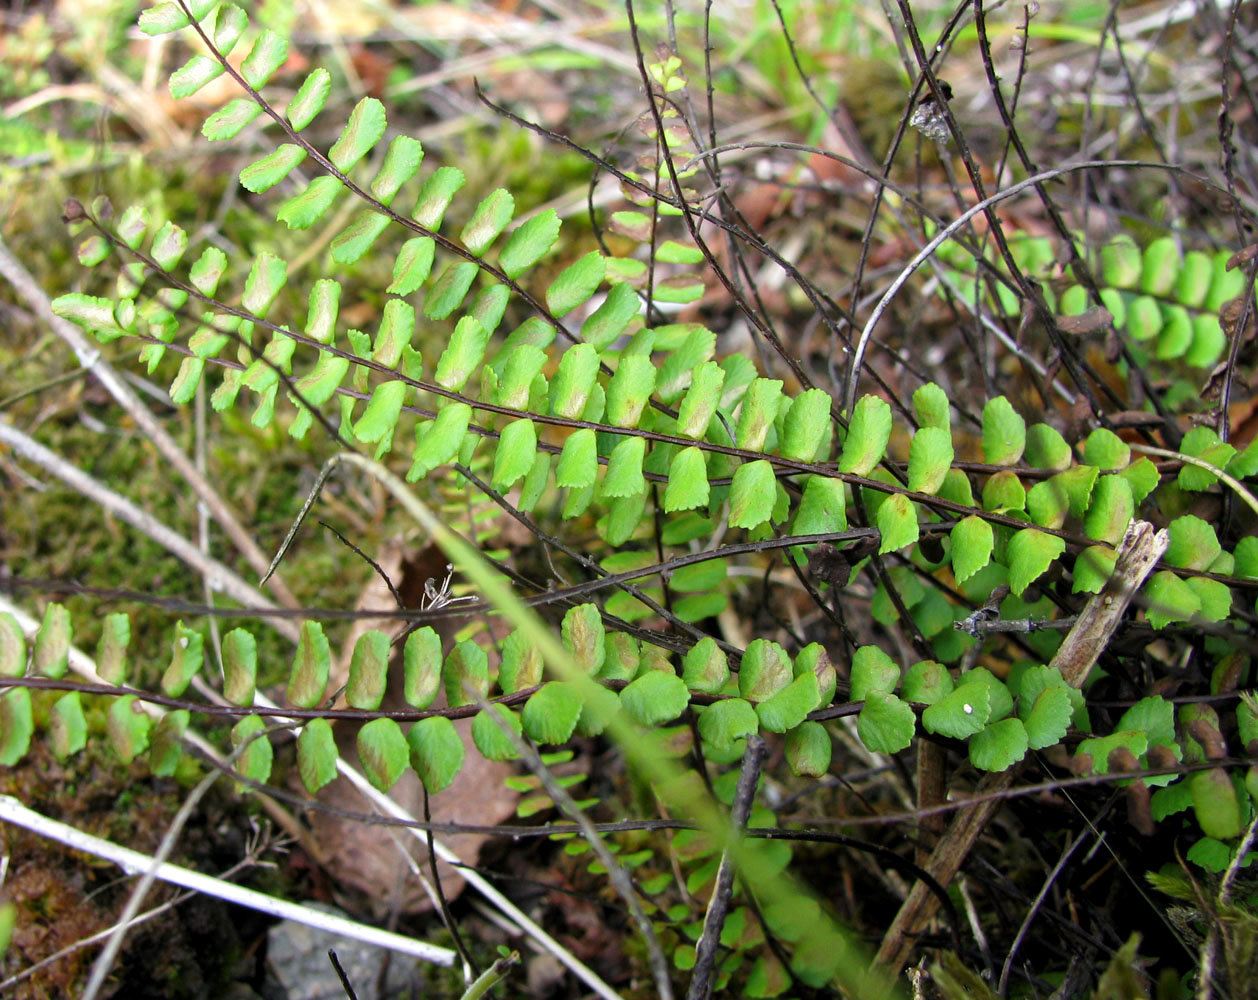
column 1244, row 419
column 375, row 596
column 1242, row 256
column 1093, row 321
column 372, row 860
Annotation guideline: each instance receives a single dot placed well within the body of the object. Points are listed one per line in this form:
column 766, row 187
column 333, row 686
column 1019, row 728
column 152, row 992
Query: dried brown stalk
column 1138, row 553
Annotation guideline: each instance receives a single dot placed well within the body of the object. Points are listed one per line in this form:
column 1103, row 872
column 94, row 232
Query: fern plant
column 1166, row 301
column 926, row 538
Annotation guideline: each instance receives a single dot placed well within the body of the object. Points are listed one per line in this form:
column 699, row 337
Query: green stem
column 1231, row 481
column 491, row 977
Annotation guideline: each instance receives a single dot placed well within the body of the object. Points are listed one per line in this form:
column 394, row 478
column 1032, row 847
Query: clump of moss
column 64, row 896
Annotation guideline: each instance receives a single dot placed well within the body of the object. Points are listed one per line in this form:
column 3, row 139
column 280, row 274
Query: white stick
column 133, row 862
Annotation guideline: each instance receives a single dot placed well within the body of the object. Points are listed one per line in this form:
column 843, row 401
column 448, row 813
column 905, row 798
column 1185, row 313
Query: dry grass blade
column 90, row 358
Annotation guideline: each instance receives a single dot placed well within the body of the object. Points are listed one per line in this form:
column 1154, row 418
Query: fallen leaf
column 375, row 861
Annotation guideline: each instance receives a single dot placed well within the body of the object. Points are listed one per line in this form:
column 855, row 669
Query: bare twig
column 1139, row 551
column 718, row 906
column 932, row 790
column 341, row 975
column 1142, row 546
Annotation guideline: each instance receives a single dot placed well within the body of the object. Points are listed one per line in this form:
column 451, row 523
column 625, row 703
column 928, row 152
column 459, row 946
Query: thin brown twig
column 718, row 906
column 342, row 975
